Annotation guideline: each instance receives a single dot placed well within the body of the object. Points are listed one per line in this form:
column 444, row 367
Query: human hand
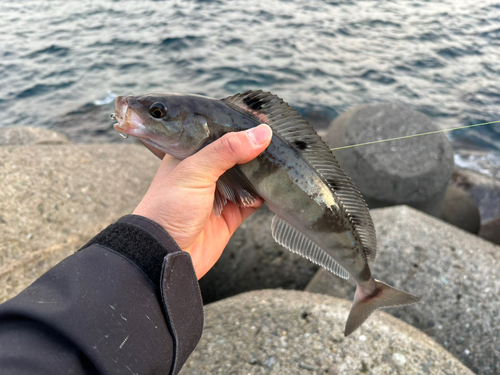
column 181, row 196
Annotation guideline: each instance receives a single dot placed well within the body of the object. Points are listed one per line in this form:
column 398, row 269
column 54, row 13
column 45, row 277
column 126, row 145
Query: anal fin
column 297, row 242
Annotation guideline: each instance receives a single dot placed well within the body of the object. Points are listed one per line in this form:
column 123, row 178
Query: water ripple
column 373, row 75
column 52, row 50
column 177, row 44
column 454, row 52
column 439, row 57
column 40, row 89
column 426, row 62
column 492, row 34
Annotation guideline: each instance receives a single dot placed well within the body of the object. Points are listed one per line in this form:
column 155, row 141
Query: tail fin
column 363, row 306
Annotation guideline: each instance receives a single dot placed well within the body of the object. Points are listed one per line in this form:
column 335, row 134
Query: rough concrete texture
column 19, row 136
column 461, row 210
column 253, row 260
column 455, row 274
column 484, row 189
column 491, row 231
column 292, row 332
column 55, row 198
column 413, row 171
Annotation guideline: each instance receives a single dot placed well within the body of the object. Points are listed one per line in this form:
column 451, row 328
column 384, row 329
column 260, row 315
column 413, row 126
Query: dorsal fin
column 292, row 128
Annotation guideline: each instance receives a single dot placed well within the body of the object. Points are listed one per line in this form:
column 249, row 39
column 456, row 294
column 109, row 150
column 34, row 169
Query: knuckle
column 231, row 144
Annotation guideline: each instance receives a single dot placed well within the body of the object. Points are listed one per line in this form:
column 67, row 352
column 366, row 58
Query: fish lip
column 127, row 120
column 121, row 107
column 119, row 128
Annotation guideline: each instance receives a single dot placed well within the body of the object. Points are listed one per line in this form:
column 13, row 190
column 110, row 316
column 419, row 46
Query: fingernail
column 259, row 134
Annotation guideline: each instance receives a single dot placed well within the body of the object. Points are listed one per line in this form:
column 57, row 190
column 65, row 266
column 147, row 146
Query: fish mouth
column 121, row 107
column 128, row 122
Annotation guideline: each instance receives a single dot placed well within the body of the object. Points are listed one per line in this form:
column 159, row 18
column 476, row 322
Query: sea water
column 62, row 63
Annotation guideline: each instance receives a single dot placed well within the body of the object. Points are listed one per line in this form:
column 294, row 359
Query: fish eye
column 157, row 110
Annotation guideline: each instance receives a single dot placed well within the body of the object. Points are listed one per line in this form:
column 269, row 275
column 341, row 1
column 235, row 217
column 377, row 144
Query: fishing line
column 414, row 135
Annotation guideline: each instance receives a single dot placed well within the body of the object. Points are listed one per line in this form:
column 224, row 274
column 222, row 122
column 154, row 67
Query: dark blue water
column 63, row 62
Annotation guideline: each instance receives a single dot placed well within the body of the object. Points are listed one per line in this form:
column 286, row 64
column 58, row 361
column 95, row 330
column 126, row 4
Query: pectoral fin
column 233, row 186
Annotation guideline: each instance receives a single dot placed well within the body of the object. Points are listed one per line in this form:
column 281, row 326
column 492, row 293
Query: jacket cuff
column 170, row 270
column 140, row 240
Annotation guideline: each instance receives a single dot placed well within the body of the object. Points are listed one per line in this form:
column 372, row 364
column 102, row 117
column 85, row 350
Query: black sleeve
column 128, row 302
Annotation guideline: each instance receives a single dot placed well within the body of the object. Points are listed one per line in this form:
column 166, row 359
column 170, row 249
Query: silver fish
column 319, row 212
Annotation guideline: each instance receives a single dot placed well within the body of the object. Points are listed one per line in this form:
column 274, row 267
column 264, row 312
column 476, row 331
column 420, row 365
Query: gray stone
column 53, row 199
column 454, row 272
column 483, row 186
column 292, row 332
column 253, row 260
column 19, row 136
column 318, row 120
column 461, row 210
column 413, row 171
column 490, row 231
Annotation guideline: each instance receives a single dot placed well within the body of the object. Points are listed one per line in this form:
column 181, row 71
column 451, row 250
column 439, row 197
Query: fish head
column 167, row 122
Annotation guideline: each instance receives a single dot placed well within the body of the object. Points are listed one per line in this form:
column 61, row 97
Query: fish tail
column 364, row 305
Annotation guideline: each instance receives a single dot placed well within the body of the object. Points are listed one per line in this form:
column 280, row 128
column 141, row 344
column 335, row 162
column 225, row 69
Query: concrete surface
column 490, row 231
column 461, row 210
column 54, row 198
column 413, row 171
column 292, row 332
column 453, row 272
column 19, row 136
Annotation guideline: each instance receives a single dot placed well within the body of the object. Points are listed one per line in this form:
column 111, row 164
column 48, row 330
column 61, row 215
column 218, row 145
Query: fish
column 319, row 213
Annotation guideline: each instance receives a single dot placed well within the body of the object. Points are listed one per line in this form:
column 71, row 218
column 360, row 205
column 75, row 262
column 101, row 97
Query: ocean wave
column 41, row 89
column 486, row 164
column 109, row 98
column 436, row 57
column 51, row 50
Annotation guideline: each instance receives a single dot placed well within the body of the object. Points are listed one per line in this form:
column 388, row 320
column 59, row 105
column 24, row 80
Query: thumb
column 231, row 149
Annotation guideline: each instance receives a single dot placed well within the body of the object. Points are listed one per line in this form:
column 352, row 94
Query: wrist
column 140, row 240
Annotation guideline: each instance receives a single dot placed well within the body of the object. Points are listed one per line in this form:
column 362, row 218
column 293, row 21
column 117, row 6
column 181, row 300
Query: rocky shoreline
column 293, row 332
column 55, row 195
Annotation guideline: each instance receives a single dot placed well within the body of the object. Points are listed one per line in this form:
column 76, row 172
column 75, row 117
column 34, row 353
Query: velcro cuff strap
column 140, row 240
column 185, row 315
